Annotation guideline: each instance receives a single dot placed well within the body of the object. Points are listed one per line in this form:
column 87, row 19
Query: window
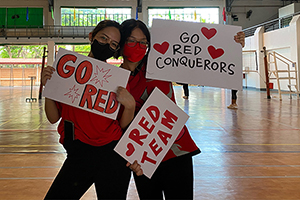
column 205, row 15
column 92, row 16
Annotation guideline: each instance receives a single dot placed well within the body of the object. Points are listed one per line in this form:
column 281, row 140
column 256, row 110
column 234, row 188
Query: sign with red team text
column 86, row 83
column 152, row 132
column 195, row 53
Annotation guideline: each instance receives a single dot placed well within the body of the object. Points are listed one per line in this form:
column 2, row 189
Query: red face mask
column 134, row 54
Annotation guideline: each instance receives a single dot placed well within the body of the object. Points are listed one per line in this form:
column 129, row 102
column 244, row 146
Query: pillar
column 259, row 43
column 51, row 53
column 295, row 42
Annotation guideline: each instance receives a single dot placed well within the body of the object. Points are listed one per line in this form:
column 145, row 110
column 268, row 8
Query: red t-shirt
column 90, row 128
column 140, row 89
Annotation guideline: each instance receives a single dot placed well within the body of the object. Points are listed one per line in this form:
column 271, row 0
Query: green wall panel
column 17, row 17
column 2, row 17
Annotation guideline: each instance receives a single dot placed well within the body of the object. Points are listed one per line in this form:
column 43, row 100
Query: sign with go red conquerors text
column 86, row 83
column 152, row 132
column 195, row 53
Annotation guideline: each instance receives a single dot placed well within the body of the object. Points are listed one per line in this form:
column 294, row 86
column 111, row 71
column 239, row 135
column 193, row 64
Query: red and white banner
column 86, row 83
column 152, row 132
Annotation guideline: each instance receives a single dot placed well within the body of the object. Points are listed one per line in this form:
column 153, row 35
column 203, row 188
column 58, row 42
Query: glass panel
column 92, row 16
column 204, row 15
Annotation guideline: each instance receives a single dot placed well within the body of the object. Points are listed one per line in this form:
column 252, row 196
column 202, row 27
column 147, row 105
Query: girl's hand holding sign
column 47, row 74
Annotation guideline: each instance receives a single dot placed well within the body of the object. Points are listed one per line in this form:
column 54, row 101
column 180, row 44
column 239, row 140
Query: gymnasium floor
column 249, row 153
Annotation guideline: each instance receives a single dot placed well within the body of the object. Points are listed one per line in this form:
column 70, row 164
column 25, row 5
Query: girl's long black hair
column 104, row 24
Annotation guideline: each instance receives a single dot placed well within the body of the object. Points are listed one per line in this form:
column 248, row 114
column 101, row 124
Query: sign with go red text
column 195, row 53
column 86, row 83
column 152, row 132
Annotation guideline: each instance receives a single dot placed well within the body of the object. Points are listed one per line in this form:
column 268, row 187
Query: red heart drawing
column 130, row 150
column 215, row 53
column 208, row 33
column 161, row 48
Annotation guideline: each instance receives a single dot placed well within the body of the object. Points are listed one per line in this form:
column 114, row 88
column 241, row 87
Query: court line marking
column 24, row 153
column 14, row 118
column 20, row 115
column 246, row 165
column 31, row 167
column 26, row 178
column 215, row 152
column 269, row 166
column 196, row 177
column 203, row 144
column 245, row 177
column 31, row 145
column 26, row 130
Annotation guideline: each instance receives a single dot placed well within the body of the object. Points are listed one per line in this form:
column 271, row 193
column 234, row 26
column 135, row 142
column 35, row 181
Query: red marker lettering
column 144, row 124
column 153, row 112
column 112, row 103
column 82, row 79
column 100, row 100
column 145, row 158
column 61, row 63
column 130, row 150
column 135, row 136
column 164, row 136
column 86, row 97
column 169, row 118
column 153, row 146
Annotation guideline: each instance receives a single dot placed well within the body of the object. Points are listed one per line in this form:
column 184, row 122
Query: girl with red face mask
column 89, row 139
column 174, row 176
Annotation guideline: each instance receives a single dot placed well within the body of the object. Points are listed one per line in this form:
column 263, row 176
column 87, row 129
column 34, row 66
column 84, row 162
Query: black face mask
column 101, row 51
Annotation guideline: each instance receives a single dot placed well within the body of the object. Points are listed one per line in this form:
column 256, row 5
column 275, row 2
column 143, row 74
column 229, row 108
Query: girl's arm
column 51, row 109
column 127, row 100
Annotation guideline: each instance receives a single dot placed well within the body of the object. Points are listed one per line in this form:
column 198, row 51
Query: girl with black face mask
column 89, row 139
column 105, row 40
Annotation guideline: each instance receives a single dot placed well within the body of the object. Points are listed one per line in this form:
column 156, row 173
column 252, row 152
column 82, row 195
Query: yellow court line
column 8, row 121
column 13, row 118
column 17, row 117
column 254, row 144
column 54, row 145
column 26, row 130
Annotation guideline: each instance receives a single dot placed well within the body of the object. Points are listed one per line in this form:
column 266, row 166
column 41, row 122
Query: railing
column 271, row 25
column 83, row 31
column 91, row 19
column 46, row 31
column 289, row 72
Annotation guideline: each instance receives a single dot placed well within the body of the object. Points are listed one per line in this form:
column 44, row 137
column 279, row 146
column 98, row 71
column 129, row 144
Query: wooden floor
column 249, row 153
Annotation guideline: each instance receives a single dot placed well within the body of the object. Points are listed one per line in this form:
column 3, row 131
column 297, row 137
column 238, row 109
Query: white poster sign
column 86, row 83
column 152, row 132
column 195, row 53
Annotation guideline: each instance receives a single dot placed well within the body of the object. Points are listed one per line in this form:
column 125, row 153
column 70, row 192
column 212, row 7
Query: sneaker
column 232, row 106
column 185, row 97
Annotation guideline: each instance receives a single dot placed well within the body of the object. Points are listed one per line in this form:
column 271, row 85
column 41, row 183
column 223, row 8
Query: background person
column 185, row 87
column 233, row 104
column 185, row 90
